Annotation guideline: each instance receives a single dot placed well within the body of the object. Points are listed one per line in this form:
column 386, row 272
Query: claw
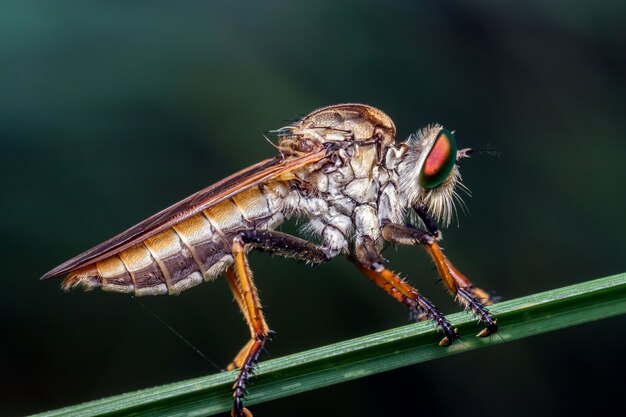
column 483, row 333
column 447, row 340
column 244, row 413
column 489, row 330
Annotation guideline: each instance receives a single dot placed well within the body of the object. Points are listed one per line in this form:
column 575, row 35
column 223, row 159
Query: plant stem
column 371, row 354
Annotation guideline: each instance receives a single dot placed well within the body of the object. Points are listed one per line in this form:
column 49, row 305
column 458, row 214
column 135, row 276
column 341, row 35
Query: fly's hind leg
column 368, row 260
column 277, row 243
column 466, row 294
column 241, row 278
column 245, row 293
column 233, row 283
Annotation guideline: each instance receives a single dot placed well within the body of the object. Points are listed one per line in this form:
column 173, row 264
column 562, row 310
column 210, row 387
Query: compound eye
column 439, row 161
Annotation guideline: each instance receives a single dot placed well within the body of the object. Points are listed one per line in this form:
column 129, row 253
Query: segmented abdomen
column 194, row 250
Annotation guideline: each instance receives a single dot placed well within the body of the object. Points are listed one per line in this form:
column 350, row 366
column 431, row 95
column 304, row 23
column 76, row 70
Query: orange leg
column 466, row 294
column 240, row 281
column 247, row 297
column 420, row 307
column 463, row 282
column 234, row 287
column 464, row 291
column 460, row 279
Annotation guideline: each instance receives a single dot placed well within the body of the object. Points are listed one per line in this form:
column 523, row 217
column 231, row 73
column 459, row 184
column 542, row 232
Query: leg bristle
column 428, row 309
column 471, row 303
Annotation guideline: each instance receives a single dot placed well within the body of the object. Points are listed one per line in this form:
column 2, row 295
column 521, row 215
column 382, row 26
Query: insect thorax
column 348, row 196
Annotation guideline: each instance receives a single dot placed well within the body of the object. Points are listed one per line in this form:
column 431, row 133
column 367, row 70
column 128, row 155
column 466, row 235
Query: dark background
column 111, row 111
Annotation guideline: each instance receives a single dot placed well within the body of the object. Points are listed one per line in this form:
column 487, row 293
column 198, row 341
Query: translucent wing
column 203, row 199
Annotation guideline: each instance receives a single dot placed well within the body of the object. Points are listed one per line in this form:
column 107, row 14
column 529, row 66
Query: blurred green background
column 111, row 111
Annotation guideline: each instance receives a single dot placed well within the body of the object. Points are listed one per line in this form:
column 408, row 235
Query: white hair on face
column 441, row 200
column 418, row 146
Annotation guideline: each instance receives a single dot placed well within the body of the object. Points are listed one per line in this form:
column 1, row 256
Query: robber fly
column 339, row 168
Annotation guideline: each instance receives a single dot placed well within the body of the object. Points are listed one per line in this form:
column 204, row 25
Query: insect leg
column 419, row 306
column 240, row 281
column 249, row 300
column 280, row 244
column 238, row 296
column 457, row 284
column 461, row 280
column 283, row 244
column 429, row 221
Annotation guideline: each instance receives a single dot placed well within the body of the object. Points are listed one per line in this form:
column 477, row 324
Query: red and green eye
column 439, row 161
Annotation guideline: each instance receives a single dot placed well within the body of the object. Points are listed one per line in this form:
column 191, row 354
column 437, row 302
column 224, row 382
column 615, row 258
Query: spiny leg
column 258, row 327
column 369, row 261
column 283, row 244
column 463, row 282
column 456, row 283
column 460, row 279
column 465, row 295
column 238, row 296
column 240, row 281
column 419, row 306
column 280, row 244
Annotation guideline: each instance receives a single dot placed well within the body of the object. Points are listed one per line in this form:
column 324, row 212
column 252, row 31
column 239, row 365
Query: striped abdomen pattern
column 194, row 250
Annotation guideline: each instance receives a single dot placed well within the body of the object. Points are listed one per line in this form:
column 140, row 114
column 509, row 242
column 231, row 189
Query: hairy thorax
column 348, row 197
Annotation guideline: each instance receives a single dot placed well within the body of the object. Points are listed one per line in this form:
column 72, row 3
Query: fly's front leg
column 368, row 260
column 240, row 281
column 461, row 280
column 457, row 284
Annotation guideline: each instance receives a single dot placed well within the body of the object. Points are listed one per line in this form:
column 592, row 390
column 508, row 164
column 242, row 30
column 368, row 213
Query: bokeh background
column 111, row 111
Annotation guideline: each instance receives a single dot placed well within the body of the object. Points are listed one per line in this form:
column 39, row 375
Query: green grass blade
column 356, row 358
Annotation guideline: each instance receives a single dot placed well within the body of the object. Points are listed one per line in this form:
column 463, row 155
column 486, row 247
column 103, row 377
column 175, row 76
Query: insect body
column 341, row 169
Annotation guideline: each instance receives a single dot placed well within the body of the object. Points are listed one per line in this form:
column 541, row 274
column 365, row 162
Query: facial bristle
column 441, row 201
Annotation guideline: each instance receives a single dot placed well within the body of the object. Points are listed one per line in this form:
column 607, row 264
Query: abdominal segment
column 194, row 250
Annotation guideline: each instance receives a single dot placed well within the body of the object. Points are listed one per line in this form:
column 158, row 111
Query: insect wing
column 195, row 203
